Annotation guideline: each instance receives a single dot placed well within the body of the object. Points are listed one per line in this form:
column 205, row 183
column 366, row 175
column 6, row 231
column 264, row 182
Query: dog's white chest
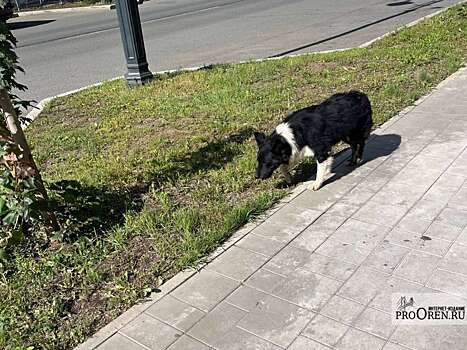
column 297, row 157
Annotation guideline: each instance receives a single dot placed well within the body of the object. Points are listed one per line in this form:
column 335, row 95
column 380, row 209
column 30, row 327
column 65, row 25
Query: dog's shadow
column 378, row 146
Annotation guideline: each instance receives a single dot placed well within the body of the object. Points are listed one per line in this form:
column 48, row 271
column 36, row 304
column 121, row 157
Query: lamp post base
column 138, row 78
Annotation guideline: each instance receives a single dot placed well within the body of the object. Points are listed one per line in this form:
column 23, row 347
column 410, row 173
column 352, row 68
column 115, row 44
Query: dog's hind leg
column 357, row 151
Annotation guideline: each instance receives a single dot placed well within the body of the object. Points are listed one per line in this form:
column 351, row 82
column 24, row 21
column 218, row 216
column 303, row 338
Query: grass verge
column 150, row 180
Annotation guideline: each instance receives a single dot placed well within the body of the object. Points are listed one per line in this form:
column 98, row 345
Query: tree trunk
column 14, row 126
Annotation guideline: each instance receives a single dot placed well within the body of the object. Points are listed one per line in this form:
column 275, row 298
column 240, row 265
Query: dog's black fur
column 342, row 117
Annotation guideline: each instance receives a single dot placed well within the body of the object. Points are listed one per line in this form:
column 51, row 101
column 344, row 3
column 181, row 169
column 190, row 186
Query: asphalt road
column 66, row 51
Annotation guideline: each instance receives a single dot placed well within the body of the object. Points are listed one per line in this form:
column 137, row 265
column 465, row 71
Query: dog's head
column 273, row 151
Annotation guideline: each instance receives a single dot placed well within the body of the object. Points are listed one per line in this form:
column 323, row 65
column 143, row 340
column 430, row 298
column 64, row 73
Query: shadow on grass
column 214, row 155
column 90, row 211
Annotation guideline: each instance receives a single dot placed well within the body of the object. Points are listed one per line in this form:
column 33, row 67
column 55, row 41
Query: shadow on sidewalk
column 378, row 146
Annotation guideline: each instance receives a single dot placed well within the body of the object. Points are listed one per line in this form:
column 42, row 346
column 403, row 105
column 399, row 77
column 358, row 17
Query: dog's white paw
column 315, row 186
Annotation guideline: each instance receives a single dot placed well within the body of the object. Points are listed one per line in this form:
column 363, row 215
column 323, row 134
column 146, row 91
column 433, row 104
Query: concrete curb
column 40, row 106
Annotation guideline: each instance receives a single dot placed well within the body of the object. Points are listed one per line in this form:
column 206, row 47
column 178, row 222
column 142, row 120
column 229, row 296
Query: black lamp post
column 133, row 43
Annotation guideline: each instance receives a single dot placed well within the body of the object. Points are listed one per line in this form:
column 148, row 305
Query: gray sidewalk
column 319, row 272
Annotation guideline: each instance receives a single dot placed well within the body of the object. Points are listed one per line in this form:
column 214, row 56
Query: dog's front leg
column 286, row 172
column 322, row 170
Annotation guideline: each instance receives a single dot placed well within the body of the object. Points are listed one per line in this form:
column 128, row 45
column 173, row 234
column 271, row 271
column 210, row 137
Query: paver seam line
column 133, row 340
column 454, row 273
column 256, row 335
column 307, row 337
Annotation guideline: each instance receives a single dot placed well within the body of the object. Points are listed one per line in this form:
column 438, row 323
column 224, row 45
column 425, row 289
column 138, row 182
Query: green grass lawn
column 148, row 181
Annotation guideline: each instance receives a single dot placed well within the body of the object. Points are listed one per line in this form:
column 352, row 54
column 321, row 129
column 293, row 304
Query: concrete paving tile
column 459, row 167
column 237, row 263
column 358, row 196
column 392, row 346
column 442, row 147
column 400, row 194
column 205, row 289
column 311, row 238
column 419, row 242
column 265, row 280
column 238, row 339
column 450, row 181
column 380, row 213
column 376, row 180
column 246, row 298
column 187, row 343
column 375, row 322
column 455, row 260
column 317, row 200
column 364, row 285
column 462, row 238
column 414, row 224
column 150, row 332
column 449, row 282
column 120, row 342
column 276, row 321
column 306, row 289
column 459, row 200
column 302, row 343
column 212, row 328
column 174, row 312
column 362, row 234
column 386, row 257
column 355, row 339
column 427, row 209
column 260, row 245
column 342, row 309
column 443, row 231
column 417, row 266
column 351, row 253
column 288, row 260
column 343, row 209
column 287, row 223
column 383, row 297
column 328, row 266
column 315, row 234
column 452, row 216
column 325, row 330
column 451, row 337
column 440, row 194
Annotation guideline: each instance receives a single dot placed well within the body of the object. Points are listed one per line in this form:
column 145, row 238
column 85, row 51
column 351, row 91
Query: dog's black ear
column 259, row 137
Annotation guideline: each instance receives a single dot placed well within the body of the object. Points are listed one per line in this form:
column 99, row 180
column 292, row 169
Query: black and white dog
column 312, row 131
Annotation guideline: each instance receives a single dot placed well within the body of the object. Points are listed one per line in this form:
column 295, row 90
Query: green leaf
column 3, row 208
column 11, row 218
